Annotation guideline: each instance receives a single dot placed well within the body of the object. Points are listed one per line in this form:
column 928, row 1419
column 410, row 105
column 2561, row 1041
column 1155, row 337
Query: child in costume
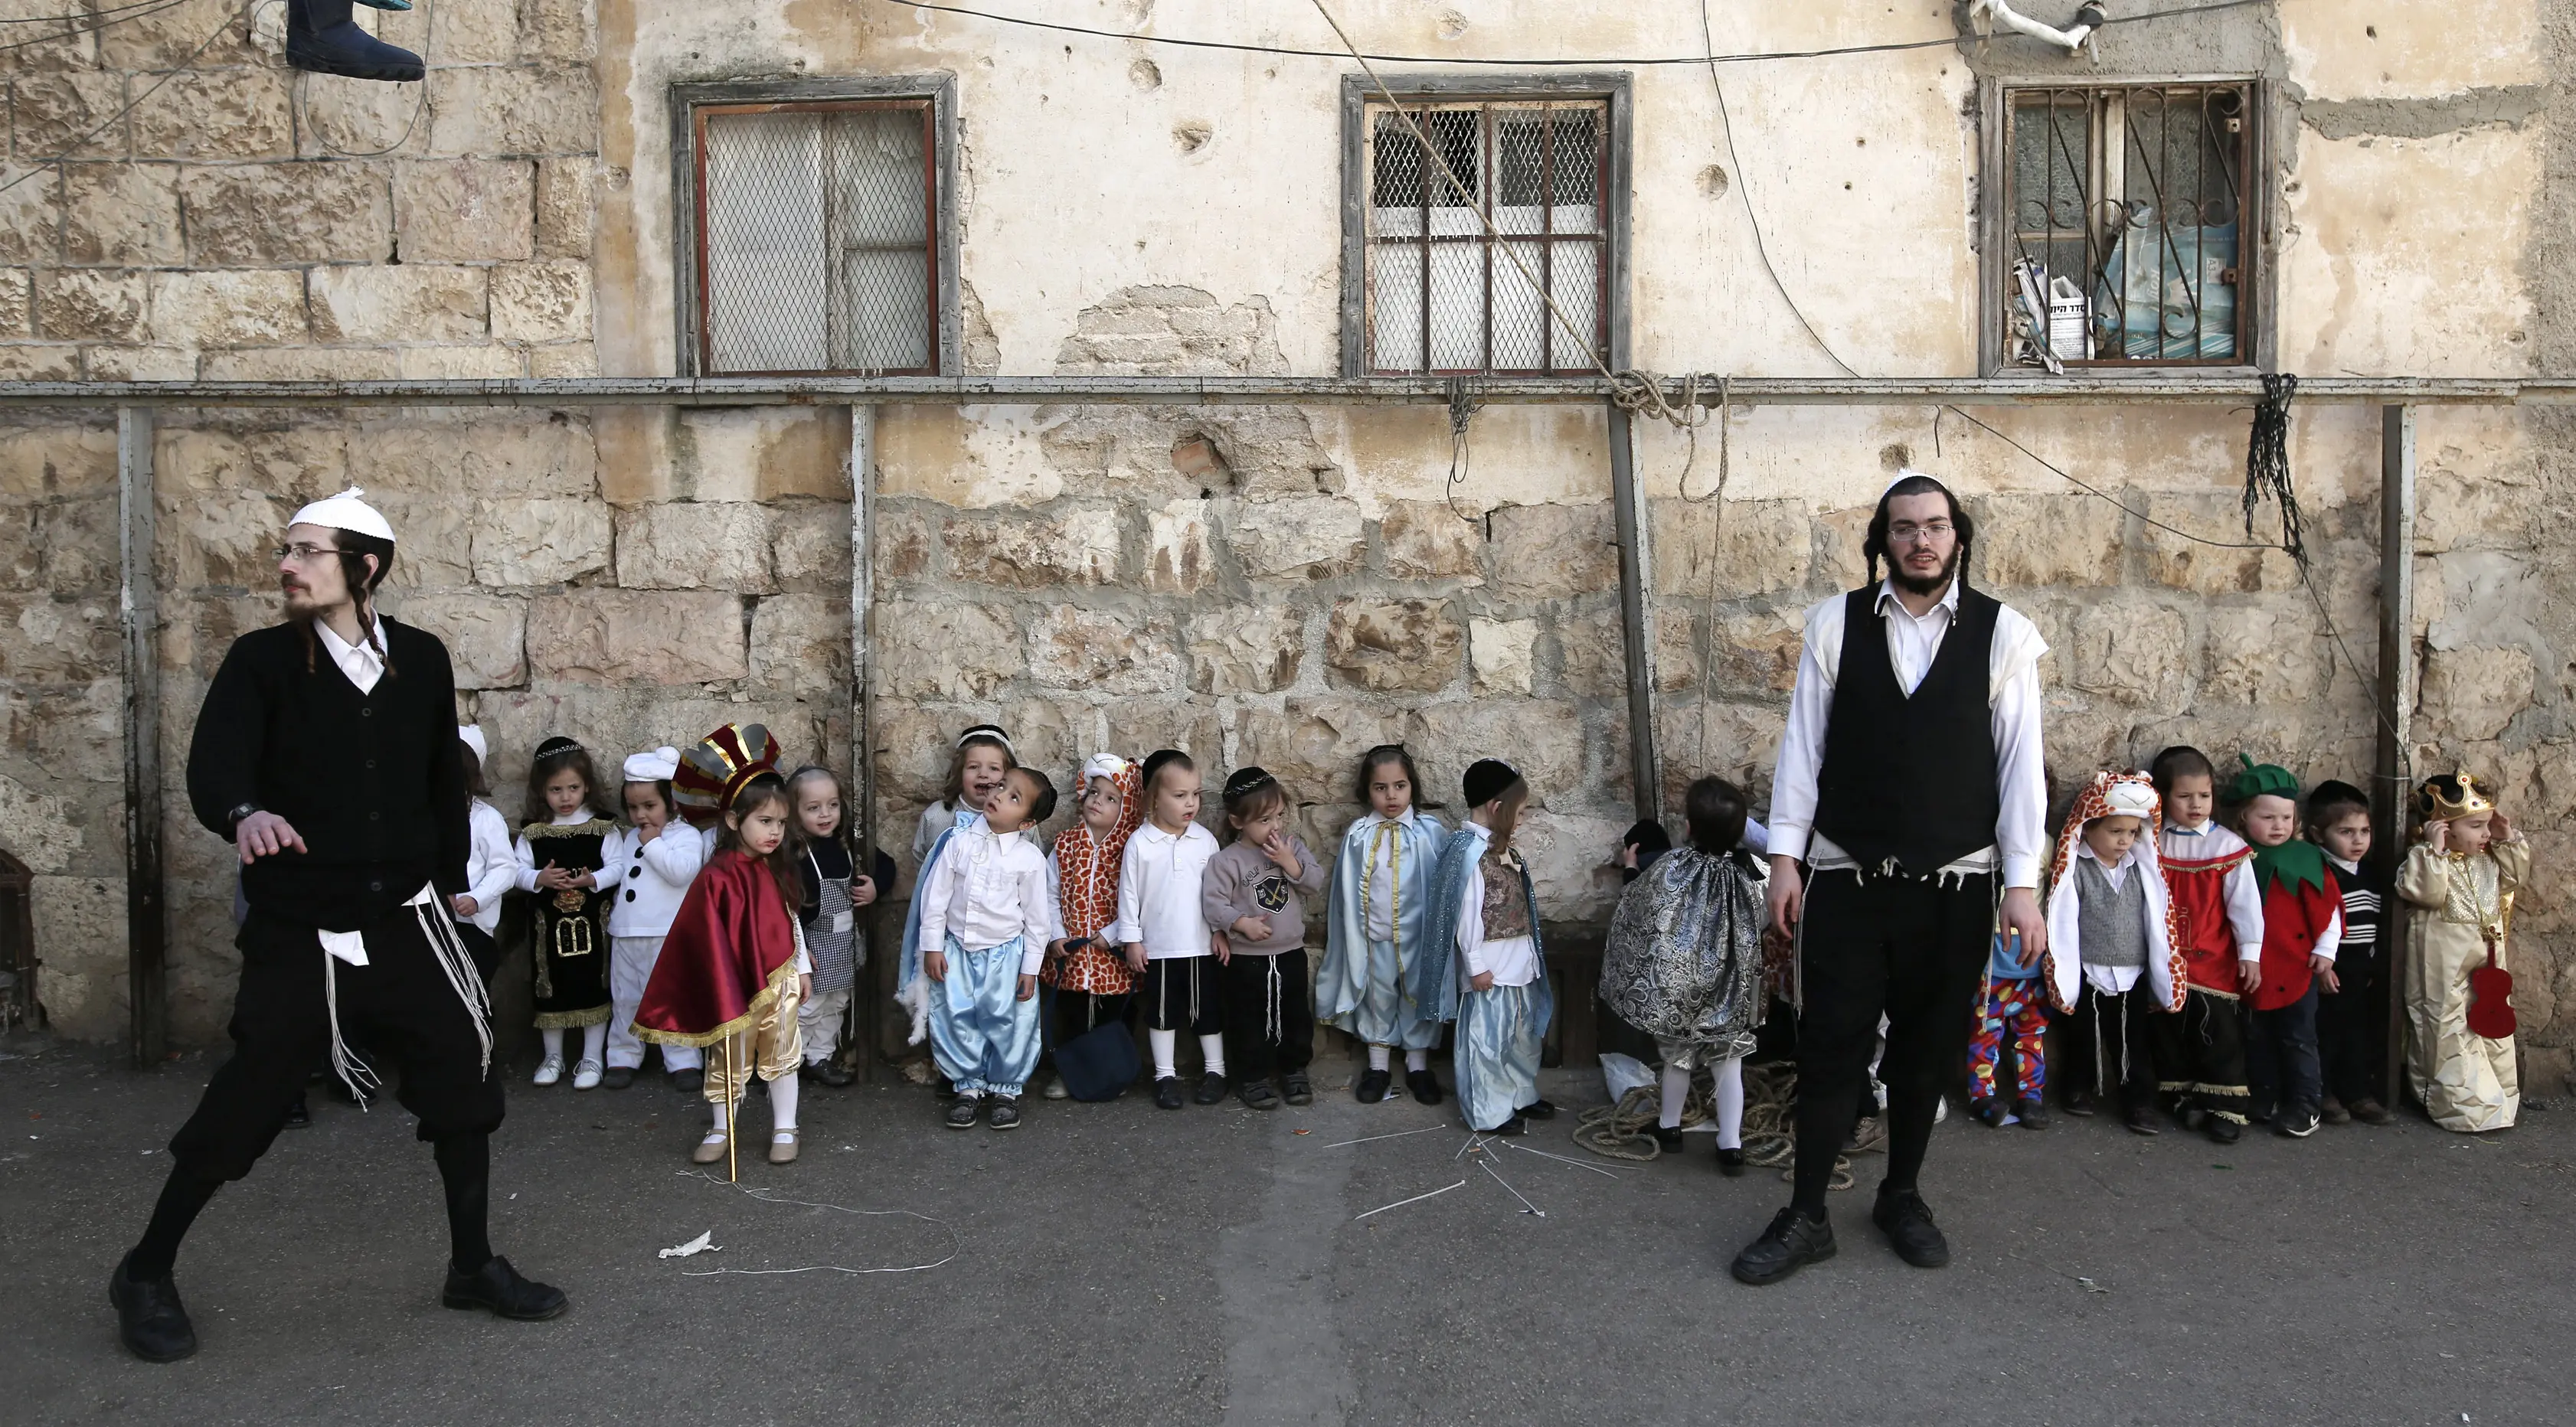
column 2218, row 928
column 1254, row 893
column 1483, row 931
column 2114, row 967
column 835, row 889
column 1380, row 887
column 2462, row 878
column 1684, row 963
column 650, row 863
column 1088, row 980
column 983, row 936
column 733, row 966
column 2352, row 1017
column 491, row 867
column 2302, row 931
column 560, row 861
column 1162, row 925
column 2012, row 1007
column 982, row 758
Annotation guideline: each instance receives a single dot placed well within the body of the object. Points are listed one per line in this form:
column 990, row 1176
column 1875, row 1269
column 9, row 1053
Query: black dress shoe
column 497, row 1288
column 1668, row 1138
column 299, row 1116
column 1373, row 1086
column 2079, row 1102
column 689, row 1081
column 1167, row 1093
column 1257, row 1095
column 1513, row 1126
column 2032, row 1114
column 2221, row 1130
column 1907, row 1222
column 149, row 1319
column 1792, row 1241
column 1424, row 1085
column 1211, row 1089
column 617, row 1077
column 1296, row 1089
column 1731, row 1162
column 2141, row 1120
column 831, row 1073
column 1539, row 1110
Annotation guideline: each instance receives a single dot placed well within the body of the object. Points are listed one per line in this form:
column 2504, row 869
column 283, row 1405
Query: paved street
column 1115, row 1264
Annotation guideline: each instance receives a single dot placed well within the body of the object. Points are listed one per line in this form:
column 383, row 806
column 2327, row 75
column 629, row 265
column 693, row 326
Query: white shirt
column 2012, row 696
column 526, row 856
column 987, row 888
column 647, row 880
column 1513, row 959
column 362, row 664
column 2111, row 979
column 491, row 868
column 2244, row 896
column 1158, row 892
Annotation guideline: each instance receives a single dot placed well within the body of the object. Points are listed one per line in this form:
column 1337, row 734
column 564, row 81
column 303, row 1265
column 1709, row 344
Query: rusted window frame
column 2256, row 243
column 1612, row 89
column 692, row 104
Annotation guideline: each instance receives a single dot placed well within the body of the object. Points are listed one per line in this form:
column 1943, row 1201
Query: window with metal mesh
column 2127, row 203
column 1444, row 292
column 818, row 238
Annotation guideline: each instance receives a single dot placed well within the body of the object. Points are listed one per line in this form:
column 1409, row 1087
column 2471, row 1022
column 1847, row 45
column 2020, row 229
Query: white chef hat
column 1102, row 765
column 472, row 736
column 2130, row 799
column 658, row 766
column 346, row 511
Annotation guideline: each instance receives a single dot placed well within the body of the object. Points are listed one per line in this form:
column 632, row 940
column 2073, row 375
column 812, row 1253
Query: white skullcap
column 346, row 511
column 472, row 736
column 1910, row 474
column 1102, row 765
column 2129, row 799
column 658, row 766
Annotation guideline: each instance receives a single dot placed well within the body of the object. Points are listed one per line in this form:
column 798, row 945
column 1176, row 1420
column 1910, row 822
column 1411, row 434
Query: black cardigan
column 371, row 782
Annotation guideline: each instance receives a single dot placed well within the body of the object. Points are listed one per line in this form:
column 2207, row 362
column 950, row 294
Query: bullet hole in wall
column 1712, row 182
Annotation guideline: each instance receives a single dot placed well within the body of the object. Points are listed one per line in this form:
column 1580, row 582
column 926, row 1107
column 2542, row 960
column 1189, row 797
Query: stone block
column 564, row 359
column 2198, row 567
column 361, row 116
column 1077, row 547
column 79, row 926
column 1499, row 654
column 1426, row 540
column 1726, row 549
column 1314, row 744
column 54, row 113
column 310, row 212
column 474, row 210
column 801, row 644
column 228, row 114
column 688, row 545
column 1591, row 654
column 1246, row 649
column 903, row 542
column 299, row 364
column 1573, row 878
column 121, row 213
column 227, row 538
column 76, row 735
column 557, row 31
column 619, row 637
column 1543, row 738
column 514, row 110
column 1298, row 537
column 17, row 295
column 1389, row 646
column 292, row 463
column 486, row 635
column 91, row 305
column 1102, row 652
column 400, row 303
column 945, row 651
column 2133, row 652
column 473, row 32
column 1754, row 654
column 256, row 308
column 437, row 533
column 206, row 33
column 763, row 452
column 1737, row 742
column 476, row 363
column 48, row 640
column 541, row 302
column 39, row 362
column 491, row 454
column 547, row 540
column 809, row 547
column 1177, row 558
column 1676, row 652
column 1554, row 551
column 2056, row 539
column 567, row 190
column 2256, row 656
column 2475, row 691
column 1169, row 330
column 139, row 364
column 31, row 220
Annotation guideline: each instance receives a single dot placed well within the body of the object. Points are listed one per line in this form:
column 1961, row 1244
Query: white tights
column 1167, row 1044
column 782, row 1107
column 594, row 1042
column 1381, row 1057
column 1730, row 1100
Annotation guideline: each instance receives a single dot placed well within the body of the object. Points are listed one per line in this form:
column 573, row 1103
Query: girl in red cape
column 734, row 967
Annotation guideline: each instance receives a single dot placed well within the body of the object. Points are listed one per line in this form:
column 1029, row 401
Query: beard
column 1926, row 584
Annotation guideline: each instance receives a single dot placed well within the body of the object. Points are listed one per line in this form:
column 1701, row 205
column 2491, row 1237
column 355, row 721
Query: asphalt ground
column 1112, row 1263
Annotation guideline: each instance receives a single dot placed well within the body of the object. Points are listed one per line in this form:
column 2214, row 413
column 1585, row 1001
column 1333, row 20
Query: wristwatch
column 233, row 818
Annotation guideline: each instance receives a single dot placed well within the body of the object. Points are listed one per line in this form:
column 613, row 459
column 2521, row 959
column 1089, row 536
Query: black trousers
column 2352, row 1029
column 2200, row 1055
column 1182, row 993
column 1269, row 1014
column 2107, row 1045
column 1076, row 1012
column 400, row 1005
column 480, row 945
column 1913, row 951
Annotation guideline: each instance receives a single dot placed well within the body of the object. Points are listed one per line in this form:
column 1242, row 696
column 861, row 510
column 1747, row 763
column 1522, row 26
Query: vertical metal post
column 869, row 1015
column 1635, row 565
column 2397, row 676
column 138, row 606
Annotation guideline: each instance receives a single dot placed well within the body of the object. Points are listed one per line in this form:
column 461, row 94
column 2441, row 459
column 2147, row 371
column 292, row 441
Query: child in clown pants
column 2014, row 1009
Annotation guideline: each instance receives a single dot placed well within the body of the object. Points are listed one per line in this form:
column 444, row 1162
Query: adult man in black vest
column 1909, row 782
column 326, row 752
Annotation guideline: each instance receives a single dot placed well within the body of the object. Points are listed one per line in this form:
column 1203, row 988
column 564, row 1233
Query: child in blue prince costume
column 1481, row 929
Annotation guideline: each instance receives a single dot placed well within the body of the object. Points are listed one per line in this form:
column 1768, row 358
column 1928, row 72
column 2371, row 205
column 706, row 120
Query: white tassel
column 915, row 999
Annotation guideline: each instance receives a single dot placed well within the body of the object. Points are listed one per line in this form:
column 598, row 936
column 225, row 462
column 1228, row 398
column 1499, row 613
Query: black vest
column 1911, row 778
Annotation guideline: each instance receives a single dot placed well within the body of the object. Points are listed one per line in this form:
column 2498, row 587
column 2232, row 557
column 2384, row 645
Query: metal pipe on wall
column 2396, row 699
column 1635, row 567
column 868, row 1017
column 138, row 617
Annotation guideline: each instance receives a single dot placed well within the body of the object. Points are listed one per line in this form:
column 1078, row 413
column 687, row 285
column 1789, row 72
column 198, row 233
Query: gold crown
column 2471, row 801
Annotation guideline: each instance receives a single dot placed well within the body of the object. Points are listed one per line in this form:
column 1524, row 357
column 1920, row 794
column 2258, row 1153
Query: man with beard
column 1909, row 781
column 326, row 752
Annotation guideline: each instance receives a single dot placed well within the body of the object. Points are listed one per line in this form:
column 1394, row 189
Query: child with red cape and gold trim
column 734, row 967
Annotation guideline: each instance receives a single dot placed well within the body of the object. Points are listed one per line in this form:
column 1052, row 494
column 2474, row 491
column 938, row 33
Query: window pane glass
column 764, row 237
column 1395, row 306
column 880, row 297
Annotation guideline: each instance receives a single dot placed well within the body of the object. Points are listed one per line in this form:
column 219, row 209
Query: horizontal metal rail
column 2228, row 389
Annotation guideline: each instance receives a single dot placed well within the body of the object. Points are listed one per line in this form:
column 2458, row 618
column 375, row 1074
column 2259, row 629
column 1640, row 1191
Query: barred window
column 1441, row 294
column 2130, row 234
column 818, row 237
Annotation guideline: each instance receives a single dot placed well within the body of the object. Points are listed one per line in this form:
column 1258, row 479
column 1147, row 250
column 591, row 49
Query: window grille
column 818, row 237
column 2129, row 203
column 1441, row 294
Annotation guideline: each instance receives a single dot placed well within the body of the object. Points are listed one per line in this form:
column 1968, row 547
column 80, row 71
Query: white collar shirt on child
column 647, row 880
column 987, row 888
column 1158, row 892
column 1512, row 959
column 1381, row 873
column 491, row 868
column 2112, row 980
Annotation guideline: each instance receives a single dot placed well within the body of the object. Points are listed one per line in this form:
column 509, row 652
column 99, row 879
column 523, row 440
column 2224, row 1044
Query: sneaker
column 1296, row 1089
column 1792, row 1242
column 1731, row 1162
column 2333, row 1112
column 1211, row 1088
column 1988, row 1112
column 1167, row 1093
column 2033, row 1114
column 1006, row 1113
column 2222, row 1130
column 2296, row 1124
column 2078, row 1103
column 2141, row 1120
column 1907, row 1222
column 1539, row 1110
column 1424, row 1085
column 587, row 1075
column 1668, row 1138
column 1055, row 1089
column 1373, row 1086
column 688, row 1080
column 549, row 1070
column 617, row 1077
column 963, row 1110
column 2371, row 1112
column 1258, row 1095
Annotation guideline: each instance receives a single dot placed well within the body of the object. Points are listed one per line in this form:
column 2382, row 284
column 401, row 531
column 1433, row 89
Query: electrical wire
column 1761, row 246
column 126, row 14
column 185, row 66
column 83, row 15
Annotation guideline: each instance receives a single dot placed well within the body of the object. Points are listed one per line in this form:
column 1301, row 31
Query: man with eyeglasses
column 327, row 753
column 1909, row 784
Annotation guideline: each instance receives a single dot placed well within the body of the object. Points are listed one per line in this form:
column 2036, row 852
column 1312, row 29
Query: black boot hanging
column 321, row 38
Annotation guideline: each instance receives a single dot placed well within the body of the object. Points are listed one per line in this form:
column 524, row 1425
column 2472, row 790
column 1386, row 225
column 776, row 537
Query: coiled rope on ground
column 1625, row 1131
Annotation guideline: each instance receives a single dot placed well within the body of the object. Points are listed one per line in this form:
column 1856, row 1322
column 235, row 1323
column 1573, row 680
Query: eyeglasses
column 304, row 552
column 1908, row 533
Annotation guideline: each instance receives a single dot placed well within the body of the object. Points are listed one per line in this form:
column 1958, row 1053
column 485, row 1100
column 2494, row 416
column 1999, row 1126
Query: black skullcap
column 555, row 745
column 1488, row 779
column 1245, row 780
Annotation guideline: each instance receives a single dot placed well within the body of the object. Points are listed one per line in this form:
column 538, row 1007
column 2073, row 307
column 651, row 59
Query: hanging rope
column 2267, row 464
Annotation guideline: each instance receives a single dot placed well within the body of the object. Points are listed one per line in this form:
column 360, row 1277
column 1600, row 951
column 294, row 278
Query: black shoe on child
column 1296, row 1089
column 1731, row 1162
column 688, row 1081
column 1005, row 1114
column 1539, row 1110
column 1373, row 1086
column 1989, row 1113
column 1167, row 1093
column 299, row 1116
column 2222, row 1130
column 2078, row 1103
column 1211, row 1089
column 149, row 1319
column 1668, row 1138
column 1513, row 1126
column 1792, row 1241
column 1424, row 1085
column 1258, row 1095
column 2371, row 1112
column 2033, row 1114
column 2141, row 1120
column 963, row 1110
column 497, row 1288
column 831, row 1073
column 617, row 1077
column 1907, row 1222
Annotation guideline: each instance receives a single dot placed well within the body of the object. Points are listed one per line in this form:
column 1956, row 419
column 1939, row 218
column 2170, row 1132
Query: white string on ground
column 1416, row 1199
column 1560, row 1159
column 1526, row 1206
column 765, row 1196
column 1370, row 1139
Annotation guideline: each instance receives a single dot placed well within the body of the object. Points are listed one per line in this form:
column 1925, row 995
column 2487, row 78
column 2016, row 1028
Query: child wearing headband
column 1381, row 884
column 559, row 864
column 1254, row 892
